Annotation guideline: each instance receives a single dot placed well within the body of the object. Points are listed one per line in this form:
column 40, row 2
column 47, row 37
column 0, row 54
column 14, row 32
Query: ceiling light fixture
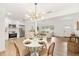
column 35, row 16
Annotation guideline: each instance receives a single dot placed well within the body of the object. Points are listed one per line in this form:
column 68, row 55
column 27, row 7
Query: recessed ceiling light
column 43, row 13
column 27, row 15
column 67, row 27
column 8, row 13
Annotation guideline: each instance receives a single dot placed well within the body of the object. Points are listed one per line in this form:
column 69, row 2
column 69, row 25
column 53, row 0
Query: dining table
column 33, row 45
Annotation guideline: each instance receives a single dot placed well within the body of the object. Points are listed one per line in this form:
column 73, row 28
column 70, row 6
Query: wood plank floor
column 60, row 47
column 2, row 53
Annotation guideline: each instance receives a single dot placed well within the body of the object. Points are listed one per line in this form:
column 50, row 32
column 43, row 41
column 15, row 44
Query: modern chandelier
column 34, row 15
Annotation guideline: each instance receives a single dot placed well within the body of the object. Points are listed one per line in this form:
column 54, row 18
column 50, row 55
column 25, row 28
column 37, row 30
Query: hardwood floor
column 60, row 47
column 2, row 53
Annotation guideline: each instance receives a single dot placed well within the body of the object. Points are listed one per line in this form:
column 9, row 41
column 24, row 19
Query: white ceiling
column 47, row 10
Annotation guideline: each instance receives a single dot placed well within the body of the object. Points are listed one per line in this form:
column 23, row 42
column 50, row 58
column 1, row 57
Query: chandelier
column 34, row 15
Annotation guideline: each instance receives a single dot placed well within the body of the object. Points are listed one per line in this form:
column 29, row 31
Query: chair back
column 11, row 49
column 51, row 49
column 21, row 49
column 42, row 49
column 44, row 45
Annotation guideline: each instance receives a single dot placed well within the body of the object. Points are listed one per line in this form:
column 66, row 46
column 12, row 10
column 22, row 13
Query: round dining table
column 33, row 46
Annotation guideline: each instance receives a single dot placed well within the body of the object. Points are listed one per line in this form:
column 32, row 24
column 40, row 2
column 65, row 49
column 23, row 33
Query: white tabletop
column 34, row 43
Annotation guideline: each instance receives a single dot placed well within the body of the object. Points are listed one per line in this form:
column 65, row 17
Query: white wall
column 64, row 25
column 2, row 31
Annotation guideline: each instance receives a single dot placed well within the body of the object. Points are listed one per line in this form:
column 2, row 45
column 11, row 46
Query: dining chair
column 43, row 49
column 49, row 39
column 17, row 50
column 23, row 51
column 10, row 48
column 51, row 49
